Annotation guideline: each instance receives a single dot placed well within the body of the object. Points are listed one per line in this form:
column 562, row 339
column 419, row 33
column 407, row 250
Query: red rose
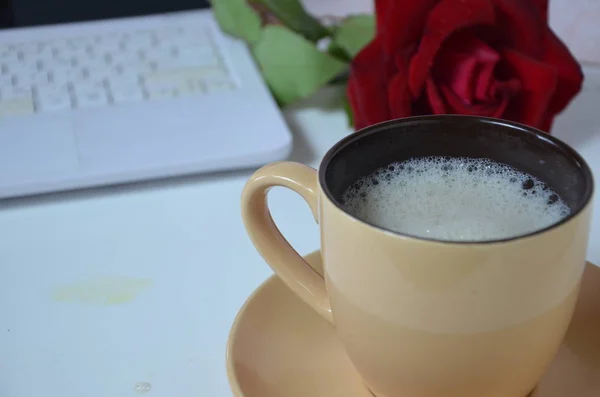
column 494, row 58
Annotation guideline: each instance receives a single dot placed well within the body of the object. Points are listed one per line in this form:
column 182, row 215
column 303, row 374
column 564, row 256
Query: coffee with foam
column 455, row 199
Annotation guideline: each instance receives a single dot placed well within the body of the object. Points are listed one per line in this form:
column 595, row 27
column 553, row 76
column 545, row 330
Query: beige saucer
column 278, row 347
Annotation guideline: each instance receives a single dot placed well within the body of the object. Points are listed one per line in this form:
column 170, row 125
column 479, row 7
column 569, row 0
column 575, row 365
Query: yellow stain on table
column 105, row 291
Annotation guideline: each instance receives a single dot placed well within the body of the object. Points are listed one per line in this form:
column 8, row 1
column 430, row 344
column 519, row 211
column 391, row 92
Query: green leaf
column 354, row 33
column 293, row 15
column 237, row 18
column 292, row 66
column 335, row 50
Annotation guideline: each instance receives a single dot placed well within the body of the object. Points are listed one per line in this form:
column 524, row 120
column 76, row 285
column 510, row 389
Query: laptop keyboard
column 109, row 69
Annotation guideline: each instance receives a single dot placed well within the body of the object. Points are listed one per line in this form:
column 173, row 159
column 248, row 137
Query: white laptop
column 103, row 93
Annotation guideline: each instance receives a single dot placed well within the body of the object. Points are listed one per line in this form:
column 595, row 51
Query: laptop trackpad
column 36, row 149
column 126, row 143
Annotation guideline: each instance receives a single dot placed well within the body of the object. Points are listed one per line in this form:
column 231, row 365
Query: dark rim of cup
column 548, row 140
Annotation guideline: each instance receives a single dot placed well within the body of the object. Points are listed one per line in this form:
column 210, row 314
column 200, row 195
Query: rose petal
column 466, row 65
column 447, row 17
column 570, row 75
column 542, row 6
column 400, row 100
column 509, row 87
column 488, row 60
column 401, row 22
column 382, row 10
column 435, row 98
column 546, row 124
column 492, row 109
column 460, row 74
column 367, row 86
column 538, row 81
column 522, row 26
column 399, row 97
column 484, row 81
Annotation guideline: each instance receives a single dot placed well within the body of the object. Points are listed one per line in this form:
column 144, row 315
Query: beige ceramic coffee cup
column 426, row 318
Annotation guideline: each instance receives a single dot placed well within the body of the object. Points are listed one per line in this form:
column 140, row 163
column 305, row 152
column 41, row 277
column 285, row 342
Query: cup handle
column 288, row 264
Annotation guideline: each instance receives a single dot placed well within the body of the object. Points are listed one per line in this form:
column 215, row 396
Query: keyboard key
column 126, row 92
column 97, row 77
column 16, row 107
column 110, row 68
column 5, row 81
column 119, row 73
column 16, row 102
column 128, row 59
column 164, row 92
column 16, row 92
column 92, row 95
column 140, row 40
column 182, row 81
column 194, row 72
column 218, row 86
column 192, row 58
column 79, row 42
column 217, row 74
column 167, row 33
column 53, row 98
column 30, row 77
column 170, row 86
column 197, row 39
column 10, row 58
column 107, row 47
column 62, row 76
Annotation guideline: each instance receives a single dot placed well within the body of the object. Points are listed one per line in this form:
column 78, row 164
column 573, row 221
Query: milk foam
column 455, row 199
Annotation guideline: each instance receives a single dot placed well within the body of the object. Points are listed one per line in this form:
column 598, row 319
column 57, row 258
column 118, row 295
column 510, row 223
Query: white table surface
column 174, row 262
